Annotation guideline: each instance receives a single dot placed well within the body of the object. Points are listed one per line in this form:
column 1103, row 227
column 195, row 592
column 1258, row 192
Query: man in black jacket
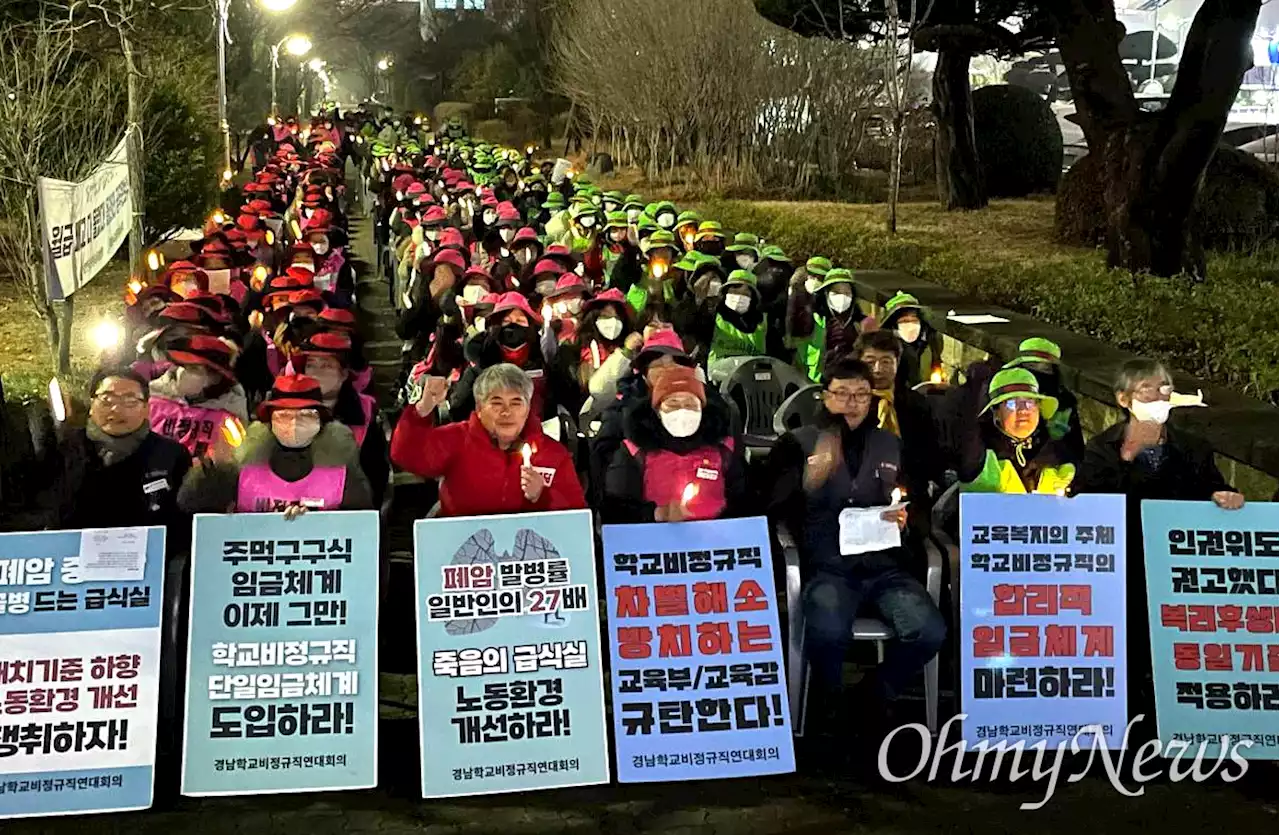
column 817, row 472
column 116, row 472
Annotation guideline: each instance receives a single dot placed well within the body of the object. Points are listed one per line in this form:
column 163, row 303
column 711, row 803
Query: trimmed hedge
column 1018, row 139
column 1224, row 330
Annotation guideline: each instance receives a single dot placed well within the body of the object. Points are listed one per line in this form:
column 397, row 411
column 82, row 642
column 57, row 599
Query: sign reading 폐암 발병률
column 80, row 616
column 699, row 690
column 1212, row 603
column 282, row 668
column 1042, row 598
column 510, row 684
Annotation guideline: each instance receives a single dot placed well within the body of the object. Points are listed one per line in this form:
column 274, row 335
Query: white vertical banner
column 84, row 223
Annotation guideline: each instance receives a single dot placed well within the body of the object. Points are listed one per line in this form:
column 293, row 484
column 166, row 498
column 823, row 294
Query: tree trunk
column 959, row 171
column 136, row 155
column 1154, row 164
column 66, row 319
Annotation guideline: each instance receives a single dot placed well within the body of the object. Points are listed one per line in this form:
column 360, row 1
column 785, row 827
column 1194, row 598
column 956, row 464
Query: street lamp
column 296, row 45
column 224, row 38
column 385, row 64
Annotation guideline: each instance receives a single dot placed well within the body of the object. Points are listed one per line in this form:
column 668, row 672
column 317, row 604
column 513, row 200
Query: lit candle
column 56, row 403
column 690, row 490
column 233, row 431
column 527, row 452
column 595, row 354
column 896, row 495
column 936, row 376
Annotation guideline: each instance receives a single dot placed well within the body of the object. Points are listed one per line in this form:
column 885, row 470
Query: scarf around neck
column 112, row 449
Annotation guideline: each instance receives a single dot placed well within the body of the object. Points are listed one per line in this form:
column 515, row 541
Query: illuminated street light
column 384, row 64
column 295, row 45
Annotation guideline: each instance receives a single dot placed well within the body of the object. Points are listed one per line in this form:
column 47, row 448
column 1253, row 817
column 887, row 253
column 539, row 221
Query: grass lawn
column 25, row 361
column 1224, row 330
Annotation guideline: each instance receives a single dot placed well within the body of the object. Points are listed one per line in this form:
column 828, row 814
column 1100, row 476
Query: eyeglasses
column 119, row 401
column 860, row 397
column 1019, row 404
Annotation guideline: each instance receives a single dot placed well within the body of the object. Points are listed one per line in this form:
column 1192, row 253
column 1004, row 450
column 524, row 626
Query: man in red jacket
column 498, row 460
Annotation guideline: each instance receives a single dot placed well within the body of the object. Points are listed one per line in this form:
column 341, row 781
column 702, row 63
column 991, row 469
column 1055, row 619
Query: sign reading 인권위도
column 1214, row 611
column 510, row 681
column 80, row 615
column 699, row 690
column 282, row 667
column 1042, row 597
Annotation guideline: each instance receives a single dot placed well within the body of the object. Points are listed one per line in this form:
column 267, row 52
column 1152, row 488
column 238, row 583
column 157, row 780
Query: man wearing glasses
column 116, row 472
column 845, row 460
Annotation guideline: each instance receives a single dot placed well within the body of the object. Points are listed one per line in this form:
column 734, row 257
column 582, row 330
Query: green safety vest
column 728, row 341
column 1000, row 476
column 638, row 296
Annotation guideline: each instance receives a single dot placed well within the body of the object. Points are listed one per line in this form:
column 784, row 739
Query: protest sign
column 698, row 684
column 79, row 669
column 1212, row 604
column 84, row 223
column 282, row 670
column 510, row 681
column 1042, row 599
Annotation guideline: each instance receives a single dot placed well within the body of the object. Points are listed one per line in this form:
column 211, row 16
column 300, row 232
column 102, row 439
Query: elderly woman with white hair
column 496, row 461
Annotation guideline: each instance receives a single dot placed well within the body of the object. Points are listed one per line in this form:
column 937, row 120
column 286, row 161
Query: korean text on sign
column 1042, row 596
column 282, row 686
column 511, row 695
column 1213, row 610
column 79, row 670
column 698, row 684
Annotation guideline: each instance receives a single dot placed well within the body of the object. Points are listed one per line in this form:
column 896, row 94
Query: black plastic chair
column 758, row 387
column 800, row 409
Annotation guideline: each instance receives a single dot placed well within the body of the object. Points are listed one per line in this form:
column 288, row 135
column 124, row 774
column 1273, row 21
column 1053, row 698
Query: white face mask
column 811, row 285
column 610, row 329
column 713, row 288
column 294, row 433
column 666, row 221
column 574, row 306
column 191, row 381
column 472, row 292
column 839, row 302
column 399, row 196
column 745, row 261
column 489, row 217
column 682, row 422
column 1157, row 411
column 431, row 234
column 909, row 331
column 320, row 248
column 587, row 221
column 506, row 235
column 632, row 215
column 737, row 302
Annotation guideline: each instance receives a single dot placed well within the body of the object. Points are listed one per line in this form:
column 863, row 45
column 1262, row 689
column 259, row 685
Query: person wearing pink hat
column 190, row 401
column 542, row 280
column 565, row 303
column 294, row 458
column 526, row 248
column 604, row 332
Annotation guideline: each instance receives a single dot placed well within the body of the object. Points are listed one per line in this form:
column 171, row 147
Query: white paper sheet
column 862, row 530
column 113, row 554
column 551, row 428
column 977, row 319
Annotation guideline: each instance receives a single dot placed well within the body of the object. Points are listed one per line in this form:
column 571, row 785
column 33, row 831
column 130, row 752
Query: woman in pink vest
column 326, row 357
column 297, row 458
column 193, row 399
column 679, row 461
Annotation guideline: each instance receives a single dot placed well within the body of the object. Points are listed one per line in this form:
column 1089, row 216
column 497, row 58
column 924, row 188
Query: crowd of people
column 560, row 343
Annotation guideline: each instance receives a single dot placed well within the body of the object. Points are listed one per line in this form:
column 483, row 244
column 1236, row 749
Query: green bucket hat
column 615, row 220
column 688, row 217
column 659, row 238
column 743, row 242
column 645, row 226
column 743, row 277
column 664, row 207
column 578, row 210
column 709, row 229
column 837, row 275
column 774, row 253
column 555, row 201
column 1036, row 349
column 703, row 261
column 899, row 302
column 687, row 262
column 615, row 197
column 818, row 265
column 633, row 201
column 1011, row 383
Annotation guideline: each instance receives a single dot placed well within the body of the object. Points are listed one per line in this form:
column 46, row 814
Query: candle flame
column 526, row 452
column 233, row 431
column 897, row 495
column 690, row 490
column 936, row 376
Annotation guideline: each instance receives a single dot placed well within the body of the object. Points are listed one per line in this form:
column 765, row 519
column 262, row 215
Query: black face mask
column 513, row 336
column 715, row 248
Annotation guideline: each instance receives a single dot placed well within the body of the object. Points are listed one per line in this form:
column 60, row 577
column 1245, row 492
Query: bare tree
column 59, row 114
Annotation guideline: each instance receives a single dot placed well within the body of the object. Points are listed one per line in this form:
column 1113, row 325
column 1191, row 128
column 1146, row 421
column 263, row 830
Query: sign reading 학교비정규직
column 282, row 667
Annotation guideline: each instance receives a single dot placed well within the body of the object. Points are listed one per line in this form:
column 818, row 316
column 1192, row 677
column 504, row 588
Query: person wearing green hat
column 612, row 201
column 743, row 253
column 582, row 232
column 687, row 229
column 921, row 343
column 739, row 328
column 772, row 276
column 651, row 285
column 1009, row 450
column 555, row 220
column 710, row 238
column 634, row 207
column 825, row 324
column 664, row 214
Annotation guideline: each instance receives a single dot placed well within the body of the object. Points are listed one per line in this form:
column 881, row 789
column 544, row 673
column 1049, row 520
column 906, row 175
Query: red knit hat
column 678, row 379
